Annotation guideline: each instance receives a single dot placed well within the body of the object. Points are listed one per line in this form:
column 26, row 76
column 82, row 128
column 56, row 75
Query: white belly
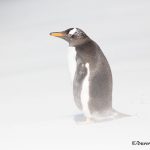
column 85, row 85
column 85, row 93
column 72, row 61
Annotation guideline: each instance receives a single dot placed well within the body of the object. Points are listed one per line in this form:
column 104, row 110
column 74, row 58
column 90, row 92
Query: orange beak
column 57, row 34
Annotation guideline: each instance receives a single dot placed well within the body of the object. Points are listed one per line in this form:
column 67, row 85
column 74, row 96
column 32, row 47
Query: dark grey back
column 100, row 79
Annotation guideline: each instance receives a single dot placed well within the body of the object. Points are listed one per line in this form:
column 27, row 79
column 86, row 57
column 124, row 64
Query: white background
column 36, row 103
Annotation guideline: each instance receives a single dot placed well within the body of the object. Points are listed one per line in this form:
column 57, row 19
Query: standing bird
column 92, row 81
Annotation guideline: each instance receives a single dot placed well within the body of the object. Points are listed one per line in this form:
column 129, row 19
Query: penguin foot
column 82, row 119
column 86, row 121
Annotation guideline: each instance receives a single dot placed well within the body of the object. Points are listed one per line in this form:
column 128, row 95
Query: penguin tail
column 108, row 115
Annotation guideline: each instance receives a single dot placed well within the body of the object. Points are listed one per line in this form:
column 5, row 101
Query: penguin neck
column 79, row 42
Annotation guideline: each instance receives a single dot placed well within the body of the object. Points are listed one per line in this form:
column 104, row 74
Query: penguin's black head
column 74, row 36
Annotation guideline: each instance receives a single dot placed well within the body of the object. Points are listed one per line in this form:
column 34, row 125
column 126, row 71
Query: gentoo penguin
column 92, row 81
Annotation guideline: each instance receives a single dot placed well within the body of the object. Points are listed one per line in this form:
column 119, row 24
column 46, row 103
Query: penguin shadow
column 81, row 119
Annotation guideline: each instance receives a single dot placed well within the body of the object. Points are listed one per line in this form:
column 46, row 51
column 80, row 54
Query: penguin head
column 74, row 36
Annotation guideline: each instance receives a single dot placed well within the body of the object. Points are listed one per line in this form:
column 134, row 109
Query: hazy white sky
column 120, row 27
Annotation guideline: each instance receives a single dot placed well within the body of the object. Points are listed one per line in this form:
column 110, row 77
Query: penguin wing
column 80, row 74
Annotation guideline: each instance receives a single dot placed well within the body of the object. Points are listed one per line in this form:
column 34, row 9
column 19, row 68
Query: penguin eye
column 73, row 36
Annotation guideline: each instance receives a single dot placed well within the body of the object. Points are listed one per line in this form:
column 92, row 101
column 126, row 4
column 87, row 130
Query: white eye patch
column 72, row 31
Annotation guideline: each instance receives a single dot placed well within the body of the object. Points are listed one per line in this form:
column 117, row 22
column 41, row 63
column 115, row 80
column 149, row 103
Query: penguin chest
column 72, row 61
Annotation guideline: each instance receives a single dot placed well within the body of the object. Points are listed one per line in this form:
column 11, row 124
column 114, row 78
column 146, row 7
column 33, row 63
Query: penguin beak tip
column 57, row 34
column 50, row 34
